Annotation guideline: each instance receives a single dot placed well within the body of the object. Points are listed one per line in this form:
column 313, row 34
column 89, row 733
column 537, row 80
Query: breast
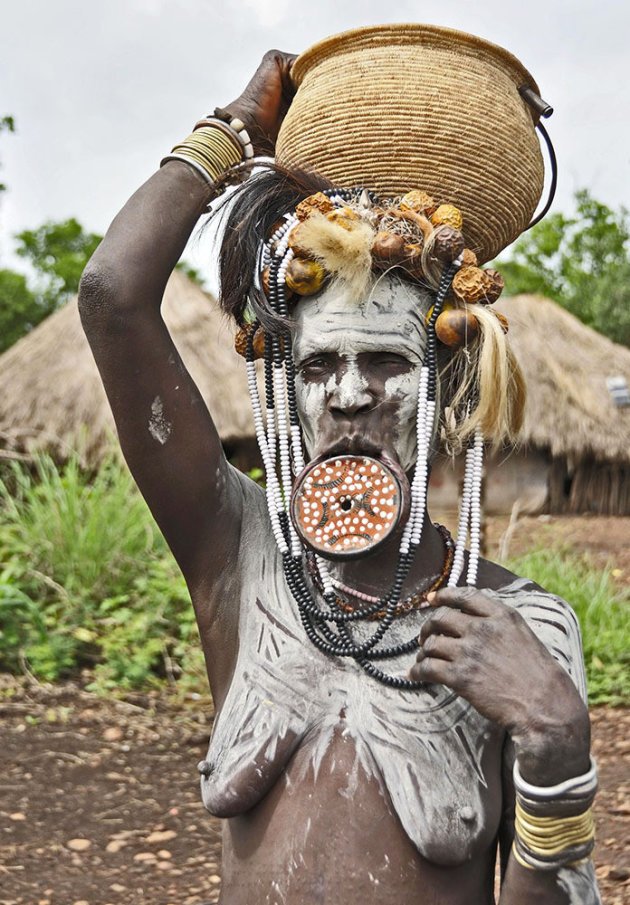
column 322, row 839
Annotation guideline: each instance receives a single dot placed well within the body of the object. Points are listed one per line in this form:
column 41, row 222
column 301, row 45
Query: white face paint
column 360, row 335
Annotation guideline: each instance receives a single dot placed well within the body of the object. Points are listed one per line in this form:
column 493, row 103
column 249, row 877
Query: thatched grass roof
column 569, row 408
column 51, row 394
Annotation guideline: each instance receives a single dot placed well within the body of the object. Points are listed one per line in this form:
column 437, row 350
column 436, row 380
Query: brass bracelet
column 210, row 150
column 548, row 843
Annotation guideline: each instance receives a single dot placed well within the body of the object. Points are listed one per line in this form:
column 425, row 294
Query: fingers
column 468, row 600
column 445, row 622
column 440, row 641
column 264, row 102
column 434, row 670
column 440, row 647
column 281, row 62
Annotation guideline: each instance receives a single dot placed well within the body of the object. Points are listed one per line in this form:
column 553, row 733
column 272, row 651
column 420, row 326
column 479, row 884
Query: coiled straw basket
column 399, row 107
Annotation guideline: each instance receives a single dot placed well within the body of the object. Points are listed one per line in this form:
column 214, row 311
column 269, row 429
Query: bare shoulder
column 493, row 576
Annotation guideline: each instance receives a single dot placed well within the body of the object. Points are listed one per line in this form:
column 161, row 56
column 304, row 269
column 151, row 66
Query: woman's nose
column 351, row 393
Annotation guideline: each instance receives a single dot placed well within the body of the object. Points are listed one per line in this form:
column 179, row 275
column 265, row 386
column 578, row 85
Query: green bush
column 603, row 609
column 86, row 579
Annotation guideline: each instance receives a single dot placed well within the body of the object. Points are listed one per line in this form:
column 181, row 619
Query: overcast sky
column 101, row 91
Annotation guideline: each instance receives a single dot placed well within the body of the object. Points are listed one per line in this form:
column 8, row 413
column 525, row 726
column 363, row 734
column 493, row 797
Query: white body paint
column 435, row 759
column 390, row 319
column 433, row 755
column 160, row 427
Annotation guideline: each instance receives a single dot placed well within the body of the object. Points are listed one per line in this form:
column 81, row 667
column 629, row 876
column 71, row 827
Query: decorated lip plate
column 345, row 506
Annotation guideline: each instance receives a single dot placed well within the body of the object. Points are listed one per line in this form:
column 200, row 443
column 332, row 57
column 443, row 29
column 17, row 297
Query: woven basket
column 398, row 107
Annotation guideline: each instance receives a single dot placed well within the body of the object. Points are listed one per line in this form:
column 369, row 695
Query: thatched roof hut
column 574, row 452
column 51, row 394
column 571, row 414
column 569, row 410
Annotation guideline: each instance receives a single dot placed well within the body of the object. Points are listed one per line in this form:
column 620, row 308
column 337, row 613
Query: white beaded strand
column 275, row 237
column 421, row 419
column 424, row 428
column 279, row 379
column 464, row 515
column 296, row 449
column 283, row 243
column 272, row 491
column 283, row 421
column 423, row 477
column 324, row 574
column 475, row 509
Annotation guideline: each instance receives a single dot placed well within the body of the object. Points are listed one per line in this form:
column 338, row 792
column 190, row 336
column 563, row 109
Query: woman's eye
column 314, row 367
column 391, row 360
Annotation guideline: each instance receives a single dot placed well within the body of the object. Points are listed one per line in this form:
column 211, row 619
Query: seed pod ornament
column 447, row 215
column 495, row 287
column 469, row 258
column 317, row 202
column 294, row 241
column 305, row 277
column 419, row 202
column 388, row 249
column 456, row 327
column 470, row 285
column 242, row 338
column 448, row 244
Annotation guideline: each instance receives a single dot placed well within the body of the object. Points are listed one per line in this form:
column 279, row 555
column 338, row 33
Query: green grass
column 88, row 583
column 86, row 580
column 603, row 609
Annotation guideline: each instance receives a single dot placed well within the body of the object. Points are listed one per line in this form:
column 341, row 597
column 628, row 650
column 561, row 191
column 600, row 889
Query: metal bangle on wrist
column 215, row 147
column 238, row 128
column 553, row 825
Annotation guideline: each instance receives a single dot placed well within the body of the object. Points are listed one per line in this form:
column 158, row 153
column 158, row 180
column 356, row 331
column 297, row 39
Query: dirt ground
column 99, row 799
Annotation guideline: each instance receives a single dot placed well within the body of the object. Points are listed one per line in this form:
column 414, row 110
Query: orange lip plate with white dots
column 346, row 505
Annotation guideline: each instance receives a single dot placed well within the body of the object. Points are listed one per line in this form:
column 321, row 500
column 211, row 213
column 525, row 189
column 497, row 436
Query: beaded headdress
column 344, row 235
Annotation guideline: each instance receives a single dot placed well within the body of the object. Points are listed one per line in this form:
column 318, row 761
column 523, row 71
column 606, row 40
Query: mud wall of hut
column 589, row 486
column 508, row 477
column 535, row 482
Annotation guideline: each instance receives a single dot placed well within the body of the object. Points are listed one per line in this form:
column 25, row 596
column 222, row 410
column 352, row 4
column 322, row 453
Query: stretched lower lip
column 345, row 505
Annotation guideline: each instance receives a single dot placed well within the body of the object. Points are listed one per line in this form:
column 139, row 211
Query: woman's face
column 358, row 368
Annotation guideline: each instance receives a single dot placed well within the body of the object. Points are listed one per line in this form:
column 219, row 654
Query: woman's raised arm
column 165, row 430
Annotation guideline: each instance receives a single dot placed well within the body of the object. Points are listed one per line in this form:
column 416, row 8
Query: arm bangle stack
column 211, row 150
column 553, row 824
column 234, row 126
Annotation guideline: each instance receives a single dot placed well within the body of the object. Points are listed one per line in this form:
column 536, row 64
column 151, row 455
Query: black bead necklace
column 328, row 628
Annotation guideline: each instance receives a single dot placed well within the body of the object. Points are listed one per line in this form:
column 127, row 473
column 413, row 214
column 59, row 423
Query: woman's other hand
column 485, row 652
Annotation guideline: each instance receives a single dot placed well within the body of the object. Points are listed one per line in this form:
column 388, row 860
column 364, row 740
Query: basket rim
column 391, row 33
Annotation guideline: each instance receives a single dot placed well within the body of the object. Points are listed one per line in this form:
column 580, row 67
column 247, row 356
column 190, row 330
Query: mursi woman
column 390, row 708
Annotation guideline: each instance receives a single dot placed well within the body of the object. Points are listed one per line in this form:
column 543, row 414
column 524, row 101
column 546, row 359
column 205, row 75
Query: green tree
column 582, row 262
column 7, row 124
column 20, row 309
column 58, row 253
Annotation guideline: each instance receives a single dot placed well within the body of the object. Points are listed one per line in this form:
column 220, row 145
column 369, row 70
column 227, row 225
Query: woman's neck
column 373, row 574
